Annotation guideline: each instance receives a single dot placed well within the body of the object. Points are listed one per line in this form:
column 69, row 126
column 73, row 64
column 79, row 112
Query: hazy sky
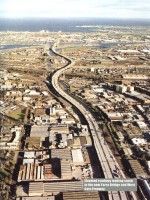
column 75, row 8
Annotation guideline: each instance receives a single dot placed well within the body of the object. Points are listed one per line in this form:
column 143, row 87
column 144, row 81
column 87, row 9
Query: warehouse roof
column 61, row 154
column 39, row 131
column 29, row 154
column 39, row 188
column 136, row 167
column 26, row 161
column 77, row 156
column 39, row 198
column 80, row 195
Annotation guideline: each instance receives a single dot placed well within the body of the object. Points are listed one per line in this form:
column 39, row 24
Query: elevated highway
column 108, row 162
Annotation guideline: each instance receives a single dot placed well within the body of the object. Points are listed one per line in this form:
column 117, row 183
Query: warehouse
column 49, row 188
column 39, row 198
column 33, row 171
column 39, row 131
column 80, row 195
column 61, row 154
column 77, row 156
column 29, row 154
column 136, row 168
column 60, row 128
column 65, row 169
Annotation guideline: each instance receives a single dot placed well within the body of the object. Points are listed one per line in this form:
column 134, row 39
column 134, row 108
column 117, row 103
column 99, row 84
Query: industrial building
column 52, row 188
column 136, row 168
column 66, row 172
column 134, row 77
column 61, row 154
column 37, row 172
column 78, row 142
column 39, row 131
column 59, row 128
column 38, row 198
column 81, row 195
column 33, row 143
column 77, row 156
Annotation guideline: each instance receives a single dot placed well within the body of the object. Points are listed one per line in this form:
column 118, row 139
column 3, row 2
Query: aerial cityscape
column 74, row 101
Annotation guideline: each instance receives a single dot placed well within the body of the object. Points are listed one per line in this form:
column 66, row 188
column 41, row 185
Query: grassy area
column 3, row 172
column 17, row 114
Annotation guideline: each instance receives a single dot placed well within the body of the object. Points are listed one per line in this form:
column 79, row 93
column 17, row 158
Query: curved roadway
column 108, row 162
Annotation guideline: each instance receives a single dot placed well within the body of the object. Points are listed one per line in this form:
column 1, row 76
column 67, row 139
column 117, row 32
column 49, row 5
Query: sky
column 75, row 8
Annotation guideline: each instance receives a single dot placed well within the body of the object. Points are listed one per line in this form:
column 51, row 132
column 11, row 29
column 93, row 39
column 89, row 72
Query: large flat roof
column 136, row 167
column 39, row 198
column 39, row 188
column 77, row 156
column 39, row 131
column 26, row 161
column 29, row 154
column 134, row 76
column 61, row 154
column 39, row 112
column 80, row 195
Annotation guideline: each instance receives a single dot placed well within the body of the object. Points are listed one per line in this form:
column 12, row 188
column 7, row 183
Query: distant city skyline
column 75, row 8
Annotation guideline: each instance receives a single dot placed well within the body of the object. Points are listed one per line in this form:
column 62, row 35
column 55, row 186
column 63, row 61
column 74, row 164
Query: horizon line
column 86, row 17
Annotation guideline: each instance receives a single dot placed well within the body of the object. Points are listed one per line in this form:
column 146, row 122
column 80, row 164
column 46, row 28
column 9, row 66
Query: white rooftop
column 77, row 156
column 27, row 161
column 29, row 154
